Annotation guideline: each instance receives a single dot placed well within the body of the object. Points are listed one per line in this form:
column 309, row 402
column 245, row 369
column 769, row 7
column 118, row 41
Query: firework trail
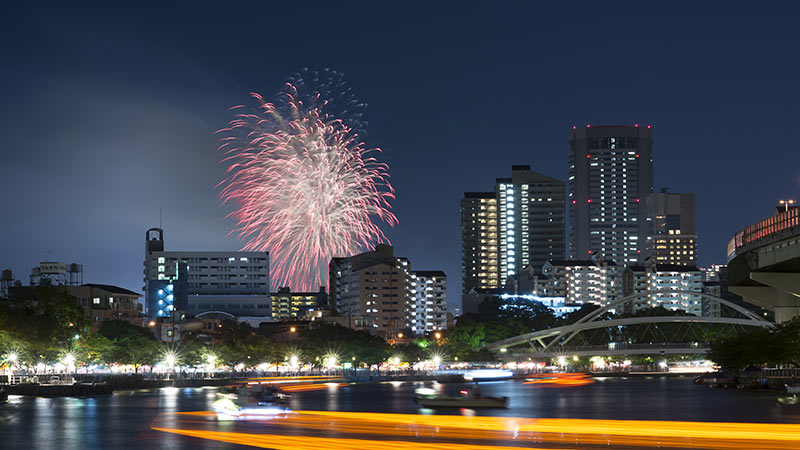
column 303, row 184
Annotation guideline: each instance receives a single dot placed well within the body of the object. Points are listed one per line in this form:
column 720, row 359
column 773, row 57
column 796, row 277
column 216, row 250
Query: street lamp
column 69, row 362
column 330, row 360
column 294, row 361
column 786, row 203
column 11, row 357
column 437, row 335
column 170, row 358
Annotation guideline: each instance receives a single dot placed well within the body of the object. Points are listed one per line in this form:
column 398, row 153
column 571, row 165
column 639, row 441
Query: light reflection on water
column 123, row 420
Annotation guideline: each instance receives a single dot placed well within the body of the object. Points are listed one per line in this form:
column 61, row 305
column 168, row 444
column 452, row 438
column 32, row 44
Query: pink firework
column 304, row 188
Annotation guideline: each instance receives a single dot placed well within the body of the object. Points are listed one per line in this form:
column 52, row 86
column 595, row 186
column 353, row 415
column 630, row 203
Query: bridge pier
column 778, row 291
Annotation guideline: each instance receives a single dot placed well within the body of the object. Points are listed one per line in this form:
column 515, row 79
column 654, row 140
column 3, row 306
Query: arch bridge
column 601, row 334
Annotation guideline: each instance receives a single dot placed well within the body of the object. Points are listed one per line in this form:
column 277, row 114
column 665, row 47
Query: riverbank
column 89, row 385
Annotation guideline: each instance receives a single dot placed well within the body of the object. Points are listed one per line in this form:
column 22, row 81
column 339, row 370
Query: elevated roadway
column 764, row 264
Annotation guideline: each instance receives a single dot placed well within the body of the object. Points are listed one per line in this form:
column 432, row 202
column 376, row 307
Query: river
column 126, row 419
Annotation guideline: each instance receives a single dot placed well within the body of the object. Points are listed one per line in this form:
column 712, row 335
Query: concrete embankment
column 89, row 389
column 59, row 390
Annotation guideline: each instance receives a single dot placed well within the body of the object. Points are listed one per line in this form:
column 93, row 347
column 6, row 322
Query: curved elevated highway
column 764, row 264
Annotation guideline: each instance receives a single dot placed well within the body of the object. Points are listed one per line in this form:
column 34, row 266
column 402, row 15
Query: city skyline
column 408, row 224
column 117, row 153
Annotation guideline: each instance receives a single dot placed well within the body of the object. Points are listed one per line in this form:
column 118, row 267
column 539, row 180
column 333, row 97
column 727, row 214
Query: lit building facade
column 99, row 301
column 714, row 272
column 583, row 281
column 374, row 289
column 479, row 241
column 232, row 282
column 287, row 305
column 672, row 238
column 429, row 300
column 528, row 228
column 610, row 176
column 668, row 278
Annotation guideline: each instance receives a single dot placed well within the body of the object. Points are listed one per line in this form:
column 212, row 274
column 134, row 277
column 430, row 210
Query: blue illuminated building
column 556, row 304
column 164, row 297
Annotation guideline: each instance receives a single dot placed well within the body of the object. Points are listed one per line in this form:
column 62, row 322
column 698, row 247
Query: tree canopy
column 778, row 346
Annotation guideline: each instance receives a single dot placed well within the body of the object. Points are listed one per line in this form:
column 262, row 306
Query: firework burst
column 303, row 185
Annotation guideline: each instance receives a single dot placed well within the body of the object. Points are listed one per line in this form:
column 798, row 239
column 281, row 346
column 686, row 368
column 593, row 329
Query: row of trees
column 499, row 319
column 774, row 347
column 55, row 326
column 47, row 330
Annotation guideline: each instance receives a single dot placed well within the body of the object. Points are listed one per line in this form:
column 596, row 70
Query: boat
column 250, row 402
column 428, row 398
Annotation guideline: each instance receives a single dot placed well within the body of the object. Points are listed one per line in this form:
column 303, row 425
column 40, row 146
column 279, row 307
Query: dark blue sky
column 107, row 115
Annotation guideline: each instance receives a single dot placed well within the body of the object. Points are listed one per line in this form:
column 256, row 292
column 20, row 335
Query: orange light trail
column 280, row 442
column 559, row 379
column 298, row 383
column 371, row 430
column 298, row 377
column 310, row 387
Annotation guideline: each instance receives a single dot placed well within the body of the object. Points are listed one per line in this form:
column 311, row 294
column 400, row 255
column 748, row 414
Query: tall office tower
column 610, row 177
column 672, row 238
column 523, row 226
column 479, row 241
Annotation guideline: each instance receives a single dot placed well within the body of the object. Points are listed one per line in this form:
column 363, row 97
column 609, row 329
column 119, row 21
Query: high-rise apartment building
column 583, row 281
column 429, row 301
column 373, row 288
column 677, row 282
column 198, row 281
column 524, row 223
column 479, row 241
column 672, row 238
column 610, row 177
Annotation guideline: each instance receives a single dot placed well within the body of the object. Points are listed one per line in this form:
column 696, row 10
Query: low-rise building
column 194, row 282
column 99, row 301
column 287, row 305
column 558, row 305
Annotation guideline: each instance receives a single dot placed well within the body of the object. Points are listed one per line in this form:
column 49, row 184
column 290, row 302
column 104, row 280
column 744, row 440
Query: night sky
column 108, row 115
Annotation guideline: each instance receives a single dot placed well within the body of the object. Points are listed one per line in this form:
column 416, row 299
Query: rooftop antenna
column 47, row 255
column 160, row 225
